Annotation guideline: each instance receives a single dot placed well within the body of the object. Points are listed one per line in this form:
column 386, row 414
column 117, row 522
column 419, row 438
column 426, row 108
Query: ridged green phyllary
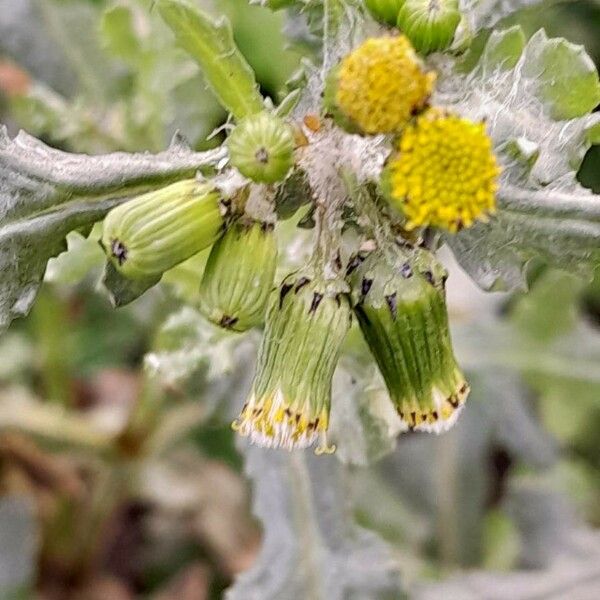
column 261, row 147
column 156, row 231
column 430, row 26
column 238, row 277
column 385, row 11
column 399, row 299
column 307, row 320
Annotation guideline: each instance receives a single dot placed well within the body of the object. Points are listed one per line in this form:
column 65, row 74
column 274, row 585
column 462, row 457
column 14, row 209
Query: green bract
column 430, row 26
column 385, row 11
column 261, row 147
column 399, row 299
column 306, row 323
column 239, row 276
column 156, row 231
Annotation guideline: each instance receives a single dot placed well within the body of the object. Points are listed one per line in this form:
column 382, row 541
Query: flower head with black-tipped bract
column 238, row 276
column 443, row 173
column 379, row 86
column 306, row 323
column 399, row 299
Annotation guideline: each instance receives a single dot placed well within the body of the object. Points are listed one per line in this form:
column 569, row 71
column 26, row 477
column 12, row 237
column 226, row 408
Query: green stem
column 372, row 221
column 327, row 237
column 332, row 20
column 50, row 322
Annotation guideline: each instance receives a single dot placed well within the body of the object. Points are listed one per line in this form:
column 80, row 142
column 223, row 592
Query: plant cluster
column 441, row 172
column 307, row 238
column 388, row 148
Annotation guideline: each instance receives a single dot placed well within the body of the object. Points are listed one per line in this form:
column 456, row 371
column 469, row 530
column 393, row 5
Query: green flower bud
column 307, row 320
column 385, row 11
column 430, row 26
column 261, row 147
column 154, row 232
column 399, row 300
column 238, row 277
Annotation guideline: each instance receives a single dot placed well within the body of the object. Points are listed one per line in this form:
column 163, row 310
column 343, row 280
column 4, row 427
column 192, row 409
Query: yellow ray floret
column 276, row 422
column 381, row 84
column 444, row 172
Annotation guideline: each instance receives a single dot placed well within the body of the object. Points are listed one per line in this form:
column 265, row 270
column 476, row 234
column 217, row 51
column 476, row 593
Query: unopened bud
column 238, row 277
column 156, row 231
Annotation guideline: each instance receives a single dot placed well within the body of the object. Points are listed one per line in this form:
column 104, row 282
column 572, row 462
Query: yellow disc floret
column 444, row 172
column 381, row 84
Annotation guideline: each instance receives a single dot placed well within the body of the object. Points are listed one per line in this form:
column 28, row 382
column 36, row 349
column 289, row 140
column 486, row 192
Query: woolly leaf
column 540, row 137
column 46, row 193
column 195, row 357
column 503, row 49
column 364, row 424
column 564, row 76
column 573, row 568
column 312, row 547
column 484, row 14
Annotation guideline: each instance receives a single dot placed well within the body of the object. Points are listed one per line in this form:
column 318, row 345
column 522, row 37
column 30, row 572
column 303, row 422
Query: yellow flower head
column 381, row 84
column 444, row 172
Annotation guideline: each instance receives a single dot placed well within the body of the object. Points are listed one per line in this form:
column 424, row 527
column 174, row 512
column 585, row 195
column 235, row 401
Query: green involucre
column 330, row 104
column 156, row 231
column 307, row 320
column 238, row 277
column 385, row 11
column 430, row 26
column 261, row 147
column 399, row 300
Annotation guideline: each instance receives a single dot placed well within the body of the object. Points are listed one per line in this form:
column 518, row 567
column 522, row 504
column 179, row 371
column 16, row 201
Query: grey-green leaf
column 312, row 548
column 194, row 356
column 121, row 290
column 561, row 228
column 540, row 138
column 46, row 193
column 211, row 44
column 484, row 14
column 364, row 424
column 564, row 76
column 503, row 49
column 343, row 26
column 572, row 569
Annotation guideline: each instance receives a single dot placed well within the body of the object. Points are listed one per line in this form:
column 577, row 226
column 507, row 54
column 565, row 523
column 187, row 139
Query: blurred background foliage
column 119, row 475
